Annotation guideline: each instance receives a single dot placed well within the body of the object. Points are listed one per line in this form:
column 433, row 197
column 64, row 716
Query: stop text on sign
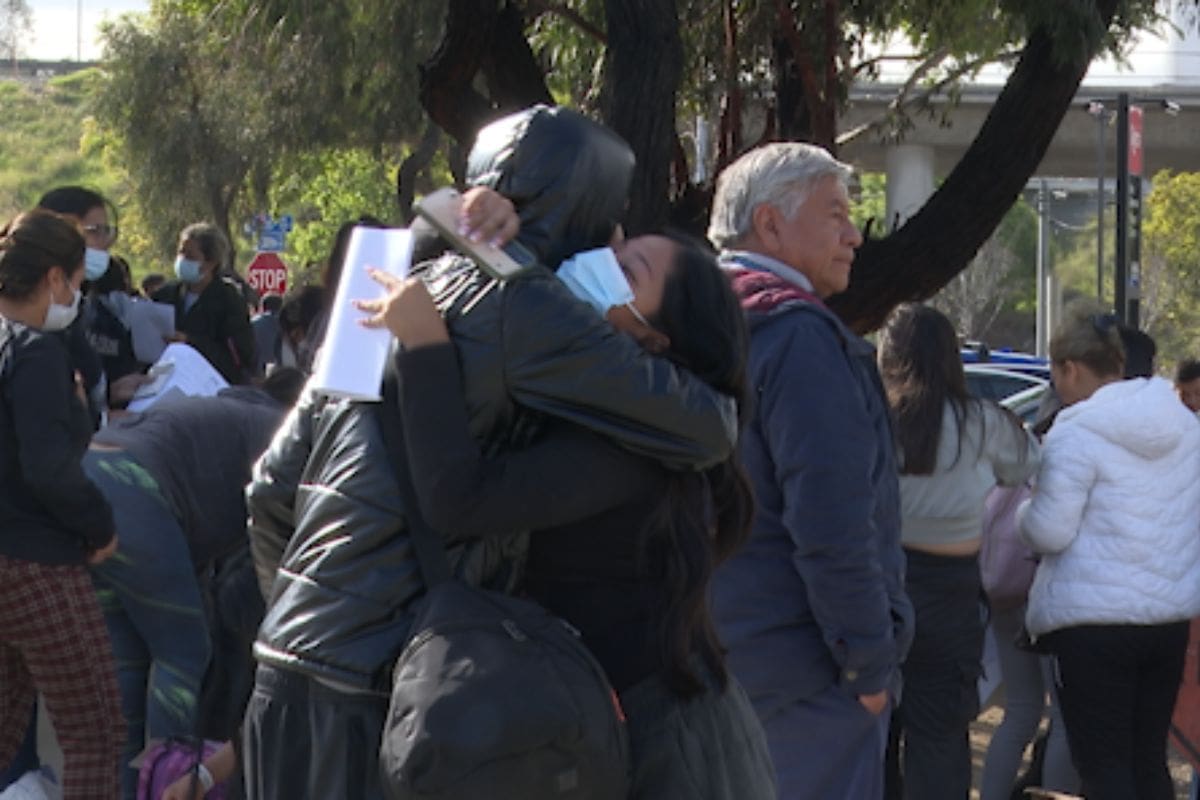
column 267, row 280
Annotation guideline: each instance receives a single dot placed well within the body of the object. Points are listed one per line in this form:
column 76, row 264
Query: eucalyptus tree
column 206, row 101
column 16, row 25
column 363, row 71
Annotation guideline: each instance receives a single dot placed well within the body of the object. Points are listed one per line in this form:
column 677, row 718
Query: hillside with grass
column 43, row 139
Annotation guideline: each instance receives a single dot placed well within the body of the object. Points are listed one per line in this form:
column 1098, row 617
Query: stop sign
column 267, row 274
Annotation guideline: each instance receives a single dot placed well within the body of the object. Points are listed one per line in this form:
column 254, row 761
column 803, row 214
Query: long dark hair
column 704, row 517
column 922, row 371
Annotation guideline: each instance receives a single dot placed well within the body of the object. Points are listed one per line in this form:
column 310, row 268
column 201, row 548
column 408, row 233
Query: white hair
column 781, row 174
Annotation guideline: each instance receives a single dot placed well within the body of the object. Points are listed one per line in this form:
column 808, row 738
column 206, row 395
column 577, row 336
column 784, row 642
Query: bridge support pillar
column 909, row 181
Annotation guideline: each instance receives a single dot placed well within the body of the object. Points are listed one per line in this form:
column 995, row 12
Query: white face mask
column 595, row 277
column 59, row 316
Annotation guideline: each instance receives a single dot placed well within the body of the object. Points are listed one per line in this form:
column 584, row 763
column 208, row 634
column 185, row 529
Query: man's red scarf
column 762, row 291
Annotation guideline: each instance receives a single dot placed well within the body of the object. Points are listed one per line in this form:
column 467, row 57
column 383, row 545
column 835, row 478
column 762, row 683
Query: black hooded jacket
column 326, row 515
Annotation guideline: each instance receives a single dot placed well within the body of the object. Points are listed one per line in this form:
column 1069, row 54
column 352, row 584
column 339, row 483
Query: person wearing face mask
column 328, row 527
column 210, row 314
column 623, row 549
column 53, row 520
column 96, row 217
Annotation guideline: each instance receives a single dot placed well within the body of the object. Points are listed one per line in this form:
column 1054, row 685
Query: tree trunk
column 643, row 64
column 479, row 35
column 792, row 121
column 940, row 240
column 514, row 77
column 446, row 89
column 406, row 175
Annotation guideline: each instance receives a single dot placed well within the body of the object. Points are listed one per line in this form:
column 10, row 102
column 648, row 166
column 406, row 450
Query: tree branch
column 729, row 140
column 825, row 116
column 939, row 240
column 420, row 157
column 446, row 89
column 808, row 72
column 870, row 62
column 901, row 102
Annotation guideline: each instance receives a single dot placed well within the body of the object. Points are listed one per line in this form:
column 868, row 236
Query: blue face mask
column 187, row 270
column 596, row 277
column 95, row 263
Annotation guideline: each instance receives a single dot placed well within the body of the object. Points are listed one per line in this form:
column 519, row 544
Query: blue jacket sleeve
column 823, row 444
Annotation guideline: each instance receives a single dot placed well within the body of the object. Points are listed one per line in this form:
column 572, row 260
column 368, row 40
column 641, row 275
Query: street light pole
column 1102, row 122
column 1041, row 333
column 1121, row 255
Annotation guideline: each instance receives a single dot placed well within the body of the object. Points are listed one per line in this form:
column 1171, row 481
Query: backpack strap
column 429, row 546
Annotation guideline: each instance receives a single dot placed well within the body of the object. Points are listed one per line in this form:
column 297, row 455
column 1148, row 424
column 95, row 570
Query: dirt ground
column 981, row 734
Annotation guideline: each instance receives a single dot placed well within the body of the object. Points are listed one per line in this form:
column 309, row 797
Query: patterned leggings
column 53, row 640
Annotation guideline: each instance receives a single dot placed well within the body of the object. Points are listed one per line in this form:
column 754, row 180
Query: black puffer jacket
column 327, row 520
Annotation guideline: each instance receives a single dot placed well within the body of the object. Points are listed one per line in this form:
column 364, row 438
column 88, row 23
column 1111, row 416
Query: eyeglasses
column 103, row 230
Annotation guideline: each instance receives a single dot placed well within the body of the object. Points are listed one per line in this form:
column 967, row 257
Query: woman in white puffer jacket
column 1116, row 515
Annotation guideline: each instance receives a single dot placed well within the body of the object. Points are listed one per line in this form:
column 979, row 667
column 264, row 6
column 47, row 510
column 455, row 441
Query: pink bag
column 165, row 762
column 1006, row 564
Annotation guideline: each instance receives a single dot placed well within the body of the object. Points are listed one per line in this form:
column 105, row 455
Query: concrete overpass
column 1171, row 139
column 1162, row 65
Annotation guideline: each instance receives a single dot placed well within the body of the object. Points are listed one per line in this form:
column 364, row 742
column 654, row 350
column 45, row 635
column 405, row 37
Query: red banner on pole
column 1135, row 140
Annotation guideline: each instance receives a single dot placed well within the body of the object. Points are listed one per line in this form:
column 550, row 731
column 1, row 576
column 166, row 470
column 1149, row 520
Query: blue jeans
column 152, row 606
column 828, row 747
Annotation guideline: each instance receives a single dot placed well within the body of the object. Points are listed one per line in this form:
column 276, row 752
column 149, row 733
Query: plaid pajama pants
column 53, row 640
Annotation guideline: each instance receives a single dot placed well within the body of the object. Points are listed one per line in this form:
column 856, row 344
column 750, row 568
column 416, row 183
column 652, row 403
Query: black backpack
column 493, row 696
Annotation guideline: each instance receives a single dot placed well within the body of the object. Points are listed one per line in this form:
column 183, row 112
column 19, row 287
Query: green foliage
column 870, row 203
column 573, row 55
column 324, row 189
column 41, row 140
column 208, row 103
column 185, row 117
column 351, row 75
column 1172, row 227
column 1171, row 265
column 1018, row 233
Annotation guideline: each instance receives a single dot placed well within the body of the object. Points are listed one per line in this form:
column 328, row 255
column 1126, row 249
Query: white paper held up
column 180, row 368
column 352, row 358
column 150, row 325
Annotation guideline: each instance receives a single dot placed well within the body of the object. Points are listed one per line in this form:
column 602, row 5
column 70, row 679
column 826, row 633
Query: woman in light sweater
column 953, row 450
column 1116, row 517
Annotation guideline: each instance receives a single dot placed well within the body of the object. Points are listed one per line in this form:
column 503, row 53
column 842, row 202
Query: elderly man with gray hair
column 813, row 608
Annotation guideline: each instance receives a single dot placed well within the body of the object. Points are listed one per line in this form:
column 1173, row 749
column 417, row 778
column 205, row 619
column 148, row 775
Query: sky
column 56, row 29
